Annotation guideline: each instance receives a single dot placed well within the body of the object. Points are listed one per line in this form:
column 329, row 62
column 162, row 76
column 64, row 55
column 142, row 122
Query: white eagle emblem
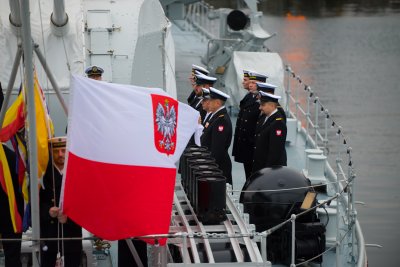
column 166, row 124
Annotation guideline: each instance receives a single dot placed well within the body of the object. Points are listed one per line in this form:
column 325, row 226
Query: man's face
column 95, row 77
column 192, row 80
column 267, row 107
column 245, row 83
column 214, row 104
column 59, row 156
column 198, row 89
column 252, row 85
column 206, row 104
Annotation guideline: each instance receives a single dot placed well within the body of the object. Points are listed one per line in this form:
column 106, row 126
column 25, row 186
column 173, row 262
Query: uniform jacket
column 191, row 97
column 281, row 111
column 5, row 218
column 270, row 143
column 48, row 225
column 244, row 140
column 196, row 104
column 217, row 137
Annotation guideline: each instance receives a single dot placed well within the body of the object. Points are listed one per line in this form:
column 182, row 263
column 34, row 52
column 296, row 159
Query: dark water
column 349, row 52
column 352, row 59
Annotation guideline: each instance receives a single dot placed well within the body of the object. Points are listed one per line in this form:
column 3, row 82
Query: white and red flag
column 123, row 142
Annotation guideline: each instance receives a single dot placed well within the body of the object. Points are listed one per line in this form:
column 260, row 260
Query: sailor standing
column 192, row 78
column 217, row 134
column 94, row 72
column 270, row 88
column 249, row 112
column 205, row 103
column 12, row 249
column 201, row 81
column 269, row 148
column 53, row 223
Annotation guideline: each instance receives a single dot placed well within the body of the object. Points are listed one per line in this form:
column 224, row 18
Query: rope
column 287, row 189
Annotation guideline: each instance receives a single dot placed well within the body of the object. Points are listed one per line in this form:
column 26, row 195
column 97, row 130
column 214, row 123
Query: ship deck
column 190, row 46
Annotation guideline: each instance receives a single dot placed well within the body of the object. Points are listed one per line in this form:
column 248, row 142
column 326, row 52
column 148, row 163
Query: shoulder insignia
column 220, row 116
column 279, row 119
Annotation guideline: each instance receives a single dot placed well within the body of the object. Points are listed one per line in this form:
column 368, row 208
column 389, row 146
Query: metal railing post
column 293, row 219
column 287, row 91
column 326, row 131
column 316, row 125
column 308, row 116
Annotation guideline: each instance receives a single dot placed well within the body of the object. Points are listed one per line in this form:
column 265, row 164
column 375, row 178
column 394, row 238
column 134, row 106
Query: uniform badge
column 220, row 128
column 278, row 132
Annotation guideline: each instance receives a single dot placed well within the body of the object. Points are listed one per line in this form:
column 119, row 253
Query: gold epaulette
column 220, row 116
column 279, row 119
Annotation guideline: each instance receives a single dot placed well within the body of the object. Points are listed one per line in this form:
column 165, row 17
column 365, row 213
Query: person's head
column 58, row 149
column 94, row 72
column 245, row 81
column 206, row 99
column 203, row 81
column 255, row 77
column 217, row 99
column 268, row 103
column 266, row 88
column 196, row 69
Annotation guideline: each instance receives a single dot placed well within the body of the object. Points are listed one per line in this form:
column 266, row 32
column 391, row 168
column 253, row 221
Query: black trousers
column 71, row 259
column 12, row 250
column 125, row 257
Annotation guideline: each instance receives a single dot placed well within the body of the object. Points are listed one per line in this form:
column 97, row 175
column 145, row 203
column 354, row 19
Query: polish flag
column 123, row 143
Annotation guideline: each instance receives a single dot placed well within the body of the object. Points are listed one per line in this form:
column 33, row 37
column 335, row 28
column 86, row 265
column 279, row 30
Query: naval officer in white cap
column 94, row 72
column 217, row 134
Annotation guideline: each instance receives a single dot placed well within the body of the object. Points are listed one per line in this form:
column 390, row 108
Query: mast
column 27, row 47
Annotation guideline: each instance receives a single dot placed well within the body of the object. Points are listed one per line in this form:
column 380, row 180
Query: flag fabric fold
column 123, row 142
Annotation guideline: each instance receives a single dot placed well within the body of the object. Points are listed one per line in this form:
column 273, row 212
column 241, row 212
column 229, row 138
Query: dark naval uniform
column 270, row 143
column 281, row 111
column 217, row 137
column 244, row 139
column 50, row 228
column 12, row 249
column 191, row 98
column 196, row 104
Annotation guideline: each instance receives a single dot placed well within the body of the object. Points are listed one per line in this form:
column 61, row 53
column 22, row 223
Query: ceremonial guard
column 270, row 88
column 94, row 72
column 249, row 112
column 202, row 81
column 53, row 223
column 217, row 134
column 12, row 249
column 205, row 103
column 269, row 148
column 195, row 69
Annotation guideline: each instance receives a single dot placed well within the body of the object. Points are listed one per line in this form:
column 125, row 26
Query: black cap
column 94, row 70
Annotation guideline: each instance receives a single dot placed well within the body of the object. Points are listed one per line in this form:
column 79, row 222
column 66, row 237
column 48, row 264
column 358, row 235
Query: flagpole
column 10, row 84
column 27, row 46
column 51, row 78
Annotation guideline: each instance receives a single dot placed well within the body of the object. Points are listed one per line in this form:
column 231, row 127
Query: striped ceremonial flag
column 123, row 143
